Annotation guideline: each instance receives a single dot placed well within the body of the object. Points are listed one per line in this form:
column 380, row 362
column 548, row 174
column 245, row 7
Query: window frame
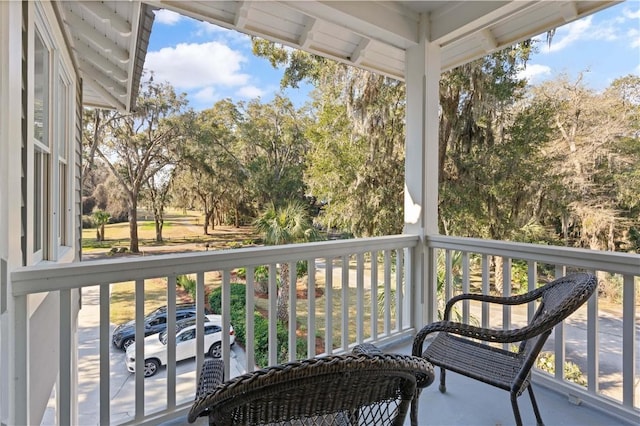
column 51, row 153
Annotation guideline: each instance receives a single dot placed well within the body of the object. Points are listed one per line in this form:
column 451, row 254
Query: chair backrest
column 332, row 390
column 559, row 299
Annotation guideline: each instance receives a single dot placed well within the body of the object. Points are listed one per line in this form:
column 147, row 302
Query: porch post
column 14, row 391
column 422, row 76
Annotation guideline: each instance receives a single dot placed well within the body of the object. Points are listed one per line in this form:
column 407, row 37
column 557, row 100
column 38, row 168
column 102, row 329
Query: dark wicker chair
column 459, row 347
column 366, row 387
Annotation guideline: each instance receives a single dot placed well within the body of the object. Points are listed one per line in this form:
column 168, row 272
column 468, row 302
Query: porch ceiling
column 109, row 43
column 374, row 35
column 110, row 37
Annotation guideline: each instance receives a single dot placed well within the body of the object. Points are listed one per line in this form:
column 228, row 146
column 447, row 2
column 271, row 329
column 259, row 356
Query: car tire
column 215, row 351
column 151, row 367
column 127, row 342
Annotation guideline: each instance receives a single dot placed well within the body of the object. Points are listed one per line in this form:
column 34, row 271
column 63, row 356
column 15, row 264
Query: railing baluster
column 171, row 342
column 374, row 295
column 387, row 292
column 200, row 304
column 466, row 280
column 359, row 298
column 139, row 342
column 558, row 335
column 273, row 316
column 344, row 337
column 506, row 292
column 630, row 346
column 105, row 346
column 311, row 308
column 485, row 290
column 328, row 315
column 65, row 359
column 250, row 321
column 532, row 281
column 226, row 320
column 293, row 322
column 399, row 290
column 593, row 360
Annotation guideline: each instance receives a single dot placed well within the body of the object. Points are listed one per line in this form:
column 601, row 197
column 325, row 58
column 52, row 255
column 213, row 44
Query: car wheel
column 127, row 342
column 215, row 351
column 151, row 367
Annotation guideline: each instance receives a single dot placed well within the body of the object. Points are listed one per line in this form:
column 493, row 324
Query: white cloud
column 534, row 71
column 631, row 14
column 251, row 92
column 207, row 95
column 190, row 66
column 634, row 36
column 167, row 17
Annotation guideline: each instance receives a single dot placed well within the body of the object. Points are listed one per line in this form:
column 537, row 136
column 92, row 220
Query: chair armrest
column 511, row 300
column 473, row 332
column 423, row 379
column 211, row 376
column 366, row 349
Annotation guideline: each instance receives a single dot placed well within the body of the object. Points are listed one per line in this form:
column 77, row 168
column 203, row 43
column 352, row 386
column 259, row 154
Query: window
column 51, row 152
column 41, row 148
column 63, row 139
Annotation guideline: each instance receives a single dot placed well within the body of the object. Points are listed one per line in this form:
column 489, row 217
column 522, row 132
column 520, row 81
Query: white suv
column 155, row 345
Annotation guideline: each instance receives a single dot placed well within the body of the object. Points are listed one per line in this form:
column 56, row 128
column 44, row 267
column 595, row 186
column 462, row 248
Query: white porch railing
column 365, row 307
column 601, row 339
column 363, row 282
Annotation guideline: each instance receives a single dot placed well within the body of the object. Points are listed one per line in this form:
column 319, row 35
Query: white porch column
column 422, row 76
column 13, row 345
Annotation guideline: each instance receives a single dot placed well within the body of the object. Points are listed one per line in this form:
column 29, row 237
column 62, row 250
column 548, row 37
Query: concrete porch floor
column 471, row 403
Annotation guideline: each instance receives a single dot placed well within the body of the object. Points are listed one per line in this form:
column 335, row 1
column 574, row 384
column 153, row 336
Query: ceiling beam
column 488, row 41
column 387, row 21
column 106, row 95
column 91, row 34
column 360, row 52
column 307, row 36
column 101, row 62
column 459, row 19
column 569, row 11
column 105, row 80
column 242, row 14
column 105, row 14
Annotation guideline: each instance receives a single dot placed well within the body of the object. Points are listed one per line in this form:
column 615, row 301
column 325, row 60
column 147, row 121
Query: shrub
column 302, row 268
column 261, row 326
column 188, row 284
column 546, row 361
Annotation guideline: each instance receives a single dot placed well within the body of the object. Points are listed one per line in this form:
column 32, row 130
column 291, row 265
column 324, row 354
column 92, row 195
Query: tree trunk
column 133, row 226
column 207, row 218
column 101, row 232
column 283, row 294
column 159, row 224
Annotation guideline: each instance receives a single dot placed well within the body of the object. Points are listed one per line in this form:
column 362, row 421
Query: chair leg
column 535, row 406
column 516, row 410
column 413, row 414
column 443, row 386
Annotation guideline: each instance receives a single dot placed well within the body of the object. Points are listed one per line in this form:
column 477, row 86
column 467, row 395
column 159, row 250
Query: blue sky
column 211, row 63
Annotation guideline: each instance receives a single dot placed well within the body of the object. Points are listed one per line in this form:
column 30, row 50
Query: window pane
column 62, row 213
column 37, row 201
column 41, row 91
column 63, row 119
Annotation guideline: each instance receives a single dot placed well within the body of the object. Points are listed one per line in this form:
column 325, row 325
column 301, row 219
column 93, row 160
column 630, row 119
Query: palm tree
column 287, row 224
column 101, row 218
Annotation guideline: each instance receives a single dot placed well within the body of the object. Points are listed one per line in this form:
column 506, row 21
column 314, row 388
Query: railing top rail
column 42, row 278
column 614, row 262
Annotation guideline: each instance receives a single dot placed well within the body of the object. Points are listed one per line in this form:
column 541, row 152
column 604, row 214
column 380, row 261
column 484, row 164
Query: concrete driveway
column 122, row 383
